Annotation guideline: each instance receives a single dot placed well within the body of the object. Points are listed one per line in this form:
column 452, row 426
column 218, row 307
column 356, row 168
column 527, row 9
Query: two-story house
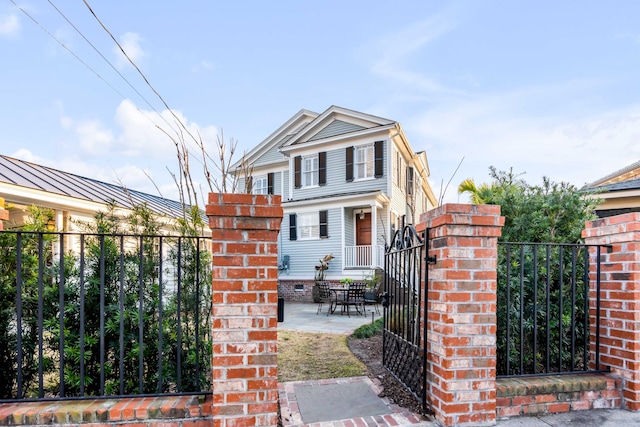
column 348, row 180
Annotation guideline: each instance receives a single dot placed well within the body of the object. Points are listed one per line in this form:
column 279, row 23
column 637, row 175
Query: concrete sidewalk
column 354, row 401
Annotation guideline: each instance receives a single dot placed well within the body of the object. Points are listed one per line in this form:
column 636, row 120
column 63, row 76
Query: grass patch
column 369, row 330
column 313, row 356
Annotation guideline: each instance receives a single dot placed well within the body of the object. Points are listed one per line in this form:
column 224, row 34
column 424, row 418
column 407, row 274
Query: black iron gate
column 405, row 310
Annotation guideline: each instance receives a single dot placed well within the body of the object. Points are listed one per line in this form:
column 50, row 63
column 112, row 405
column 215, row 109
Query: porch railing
column 548, row 308
column 364, row 256
column 103, row 315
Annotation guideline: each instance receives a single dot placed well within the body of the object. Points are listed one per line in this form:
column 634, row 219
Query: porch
column 363, row 257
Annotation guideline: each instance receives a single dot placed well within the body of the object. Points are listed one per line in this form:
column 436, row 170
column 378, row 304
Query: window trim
column 256, row 181
column 368, row 163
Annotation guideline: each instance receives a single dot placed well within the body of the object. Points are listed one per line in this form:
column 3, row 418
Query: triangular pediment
column 335, row 122
column 268, row 150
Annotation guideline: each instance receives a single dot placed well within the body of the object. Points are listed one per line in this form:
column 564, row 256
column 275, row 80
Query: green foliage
column 135, row 284
column 529, row 276
column 35, row 261
column 370, row 329
column 547, row 213
column 541, row 308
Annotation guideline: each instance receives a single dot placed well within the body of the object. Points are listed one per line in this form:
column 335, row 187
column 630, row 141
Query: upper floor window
column 310, row 171
column 364, row 162
column 260, row 185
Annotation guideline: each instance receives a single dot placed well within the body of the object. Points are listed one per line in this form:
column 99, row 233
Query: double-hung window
column 260, row 185
column 310, row 171
column 308, row 225
column 364, row 162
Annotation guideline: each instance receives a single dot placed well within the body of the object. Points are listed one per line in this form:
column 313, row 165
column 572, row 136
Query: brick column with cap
column 461, row 327
column 620, row 299
column 245, row 296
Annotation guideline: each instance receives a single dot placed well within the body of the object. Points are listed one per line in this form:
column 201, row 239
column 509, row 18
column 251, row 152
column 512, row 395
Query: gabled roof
column 38, row 177
column 336, row 121
column 279, row 136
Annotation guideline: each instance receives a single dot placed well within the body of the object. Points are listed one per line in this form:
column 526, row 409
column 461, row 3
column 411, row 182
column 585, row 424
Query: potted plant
column 320, row 271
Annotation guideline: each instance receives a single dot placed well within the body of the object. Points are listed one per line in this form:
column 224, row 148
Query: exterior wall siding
column 336, row 179
column 305, row 254
column 271, row 156
column 338, row 127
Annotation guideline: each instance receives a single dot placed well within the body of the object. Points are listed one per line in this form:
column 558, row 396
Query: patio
column 301, row 316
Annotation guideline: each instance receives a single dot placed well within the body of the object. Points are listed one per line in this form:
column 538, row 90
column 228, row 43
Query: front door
column 363, row 240
column 363, row 229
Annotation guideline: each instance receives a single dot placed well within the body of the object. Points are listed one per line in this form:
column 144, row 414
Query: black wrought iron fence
column 103, row 315
column 545, row 319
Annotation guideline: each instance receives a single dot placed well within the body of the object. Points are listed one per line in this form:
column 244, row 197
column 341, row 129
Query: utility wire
column 35, row 21
column 110, row 64
column 140, row 72
column 66, row 48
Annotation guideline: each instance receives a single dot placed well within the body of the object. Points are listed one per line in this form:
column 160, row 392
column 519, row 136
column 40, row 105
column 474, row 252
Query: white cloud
column 393, row 53
column 134, row 152
column 203, row 65
column 9, row 25
column 130, row 42
column 494, row 131
column 94, row 139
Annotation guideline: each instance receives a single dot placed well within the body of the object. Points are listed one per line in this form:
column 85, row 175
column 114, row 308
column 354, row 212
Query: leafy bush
column 121, row 285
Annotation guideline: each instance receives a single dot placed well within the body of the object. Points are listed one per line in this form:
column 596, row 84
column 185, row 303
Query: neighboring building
column 620, row 191
column 72, row 198
column 348, row 180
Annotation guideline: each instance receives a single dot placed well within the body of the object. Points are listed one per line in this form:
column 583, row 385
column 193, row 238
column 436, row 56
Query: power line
column 140, row 72
column 35, row 21
column 65, row 47
column 110, row 64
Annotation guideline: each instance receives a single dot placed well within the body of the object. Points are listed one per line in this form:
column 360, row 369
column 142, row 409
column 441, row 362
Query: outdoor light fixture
column 361, row 214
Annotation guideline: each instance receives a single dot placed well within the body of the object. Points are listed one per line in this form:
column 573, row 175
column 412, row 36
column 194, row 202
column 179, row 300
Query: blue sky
column 548, row 88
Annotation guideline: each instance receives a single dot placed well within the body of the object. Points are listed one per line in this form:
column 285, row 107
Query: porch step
column 556, row 393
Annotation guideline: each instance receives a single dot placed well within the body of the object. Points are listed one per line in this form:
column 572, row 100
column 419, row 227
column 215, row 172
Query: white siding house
column 348, row 180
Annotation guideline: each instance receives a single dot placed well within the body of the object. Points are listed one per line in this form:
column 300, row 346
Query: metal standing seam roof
column 31, row 175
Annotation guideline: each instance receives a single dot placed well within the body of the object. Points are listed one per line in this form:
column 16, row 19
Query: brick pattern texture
column 461, row 330
column 620, row 299
column 245, row 299
column 296, row 290
column 554, row 394
column 165, row 411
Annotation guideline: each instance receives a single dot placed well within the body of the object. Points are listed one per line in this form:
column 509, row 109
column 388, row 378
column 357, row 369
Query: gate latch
column 431, row 260
column 386, row 297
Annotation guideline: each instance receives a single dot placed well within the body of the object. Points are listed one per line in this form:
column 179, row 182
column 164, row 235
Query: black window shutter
column 324, row 224
column 292, row 227
column 379, row 156
column 349, row 165
column 322, row 168
column 270, row 183
column 249, row 186
column 410, row 181
column 297, row 171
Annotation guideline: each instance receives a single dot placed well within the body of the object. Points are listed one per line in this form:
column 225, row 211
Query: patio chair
column 325, row 296
column 372, row 297
column 354, row 298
